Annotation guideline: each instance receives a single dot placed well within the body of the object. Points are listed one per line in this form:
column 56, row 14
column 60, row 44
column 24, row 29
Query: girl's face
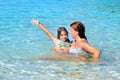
column 73, row 32
column 63, row 36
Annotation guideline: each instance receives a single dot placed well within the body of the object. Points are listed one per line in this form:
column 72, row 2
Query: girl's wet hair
column 59, row 32
column 79, row 27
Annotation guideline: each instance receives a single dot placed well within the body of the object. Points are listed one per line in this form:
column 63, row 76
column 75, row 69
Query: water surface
column 20, row 39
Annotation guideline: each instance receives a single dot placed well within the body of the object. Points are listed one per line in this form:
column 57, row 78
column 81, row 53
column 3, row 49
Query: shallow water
column 20, row 39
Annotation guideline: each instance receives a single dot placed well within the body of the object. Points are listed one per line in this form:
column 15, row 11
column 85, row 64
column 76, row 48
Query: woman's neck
column 77, row 38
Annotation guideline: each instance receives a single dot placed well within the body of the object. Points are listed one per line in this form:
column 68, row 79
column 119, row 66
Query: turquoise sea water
column 20, row 39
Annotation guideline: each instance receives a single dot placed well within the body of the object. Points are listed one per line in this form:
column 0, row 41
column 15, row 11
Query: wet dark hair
column 60, row 29
column 79, row 27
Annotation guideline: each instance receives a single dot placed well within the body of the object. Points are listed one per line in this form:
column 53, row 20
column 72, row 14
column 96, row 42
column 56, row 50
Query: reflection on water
column 51, row 69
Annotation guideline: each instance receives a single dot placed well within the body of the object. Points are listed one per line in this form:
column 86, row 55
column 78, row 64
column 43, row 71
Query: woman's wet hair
column 59, row 32
column 80, row 28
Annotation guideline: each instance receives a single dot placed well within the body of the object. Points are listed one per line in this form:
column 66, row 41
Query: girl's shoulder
column 60, row 43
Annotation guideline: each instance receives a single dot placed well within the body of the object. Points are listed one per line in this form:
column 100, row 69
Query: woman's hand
column 36, row 22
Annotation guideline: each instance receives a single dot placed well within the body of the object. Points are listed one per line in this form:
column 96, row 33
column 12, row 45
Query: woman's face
column 73, row 32
column 63, row 36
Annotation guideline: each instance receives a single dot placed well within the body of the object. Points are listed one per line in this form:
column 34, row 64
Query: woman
column 62, row 42
column 81, row 46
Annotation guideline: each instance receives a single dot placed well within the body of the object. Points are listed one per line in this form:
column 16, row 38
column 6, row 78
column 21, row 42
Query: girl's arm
column 50, row 35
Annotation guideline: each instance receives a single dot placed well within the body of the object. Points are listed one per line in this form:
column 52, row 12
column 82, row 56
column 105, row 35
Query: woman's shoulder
column 83, row 42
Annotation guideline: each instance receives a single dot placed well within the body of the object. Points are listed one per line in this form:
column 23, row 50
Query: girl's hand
column 64, row 49
column 36, row 22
